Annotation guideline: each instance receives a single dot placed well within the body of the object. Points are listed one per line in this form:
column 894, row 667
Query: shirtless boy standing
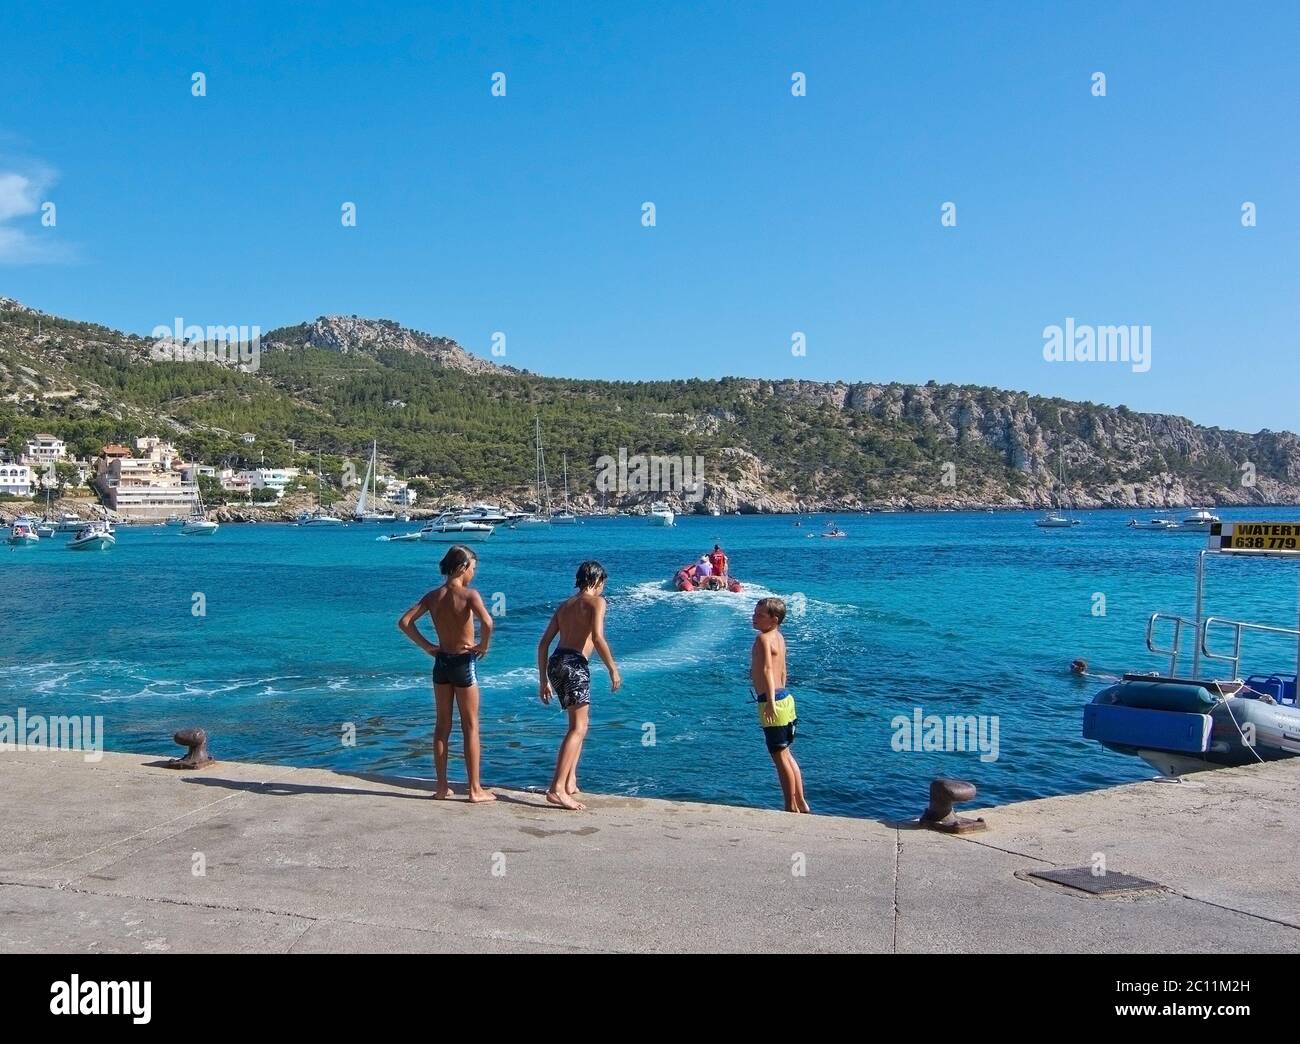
column 580, row 623
column 776, row 712
column 453, row 607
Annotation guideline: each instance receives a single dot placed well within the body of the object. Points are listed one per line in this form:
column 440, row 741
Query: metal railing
column 1173, row 653
column 1237, row 626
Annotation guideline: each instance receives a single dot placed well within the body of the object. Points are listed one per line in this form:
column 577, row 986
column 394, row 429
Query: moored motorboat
column 22, row 533
column 446, row 529
column 661, row 514
column 95, row 536
column 1188, row 721
column 1153, row 525
column 1199, row 521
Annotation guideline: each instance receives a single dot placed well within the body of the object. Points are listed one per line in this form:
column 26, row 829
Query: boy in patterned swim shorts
column 580, row 623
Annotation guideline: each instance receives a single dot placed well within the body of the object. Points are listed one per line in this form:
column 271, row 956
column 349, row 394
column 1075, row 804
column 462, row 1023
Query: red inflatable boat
column 687, row 579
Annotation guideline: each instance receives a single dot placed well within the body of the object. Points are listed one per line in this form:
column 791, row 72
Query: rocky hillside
column 348, row 334
column 464, row 426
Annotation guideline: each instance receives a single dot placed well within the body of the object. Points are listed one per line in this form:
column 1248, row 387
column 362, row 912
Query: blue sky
column 775, row 214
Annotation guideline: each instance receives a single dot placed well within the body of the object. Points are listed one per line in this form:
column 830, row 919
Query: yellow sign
column 1276, row 537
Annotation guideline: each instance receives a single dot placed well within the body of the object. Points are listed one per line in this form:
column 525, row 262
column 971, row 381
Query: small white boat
column 661, row 514
column 318, row 518
column 1055, row 520
column 21, row 534
column 447, row 529
column 96, row 536
column 715, row 512
column 197, row 524
column 1199, row 520
column 389, row 538
column 1153, row 525
column 530, row 520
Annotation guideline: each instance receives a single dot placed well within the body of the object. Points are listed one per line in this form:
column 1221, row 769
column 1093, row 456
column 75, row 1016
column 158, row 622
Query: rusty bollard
column 944, row 793
column 197, row 756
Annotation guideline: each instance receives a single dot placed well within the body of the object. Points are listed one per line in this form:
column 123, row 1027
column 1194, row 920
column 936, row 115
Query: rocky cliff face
column 347, row 334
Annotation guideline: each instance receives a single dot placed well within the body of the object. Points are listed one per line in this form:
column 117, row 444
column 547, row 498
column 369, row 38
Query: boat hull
column 1182, row 726
column 99, row 542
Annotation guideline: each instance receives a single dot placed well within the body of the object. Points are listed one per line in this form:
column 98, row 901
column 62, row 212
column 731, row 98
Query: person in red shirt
column 719, row 560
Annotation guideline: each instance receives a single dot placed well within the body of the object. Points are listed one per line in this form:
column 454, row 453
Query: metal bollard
column 944, row 793
column 197, row 756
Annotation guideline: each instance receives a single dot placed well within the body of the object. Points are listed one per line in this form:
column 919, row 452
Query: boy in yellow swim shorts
column 776, row 711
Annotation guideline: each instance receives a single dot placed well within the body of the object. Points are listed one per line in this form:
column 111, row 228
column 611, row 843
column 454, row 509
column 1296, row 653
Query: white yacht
column 447, row 528
column 369, row 495
column 542, row 489
column 661, row 514
column 565, row 517
column 1199, row 520
column 484, row 514
column 197, row 524
column 316, row 516
column 1057, row 518
column 93, row 536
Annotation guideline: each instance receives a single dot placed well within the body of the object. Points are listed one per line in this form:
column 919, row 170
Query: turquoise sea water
column 953, row 613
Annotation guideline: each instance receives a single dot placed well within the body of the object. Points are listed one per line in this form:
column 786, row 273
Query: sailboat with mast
column 1056, row 518
column 369, row 495
column 316, row 516
column 542, row 516
column 197, row 524
column 565, row 517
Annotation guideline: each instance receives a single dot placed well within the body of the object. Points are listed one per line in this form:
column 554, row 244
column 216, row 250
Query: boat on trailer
column 1209, row 717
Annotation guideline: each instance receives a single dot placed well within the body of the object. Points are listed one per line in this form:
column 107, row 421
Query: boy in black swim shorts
column 454, row 607
column 580, row 623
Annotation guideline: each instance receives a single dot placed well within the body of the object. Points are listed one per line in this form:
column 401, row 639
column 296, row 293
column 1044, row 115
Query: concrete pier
column 122, row 855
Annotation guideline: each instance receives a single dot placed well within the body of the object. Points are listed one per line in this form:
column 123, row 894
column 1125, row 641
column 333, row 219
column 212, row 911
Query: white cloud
column 23, row 240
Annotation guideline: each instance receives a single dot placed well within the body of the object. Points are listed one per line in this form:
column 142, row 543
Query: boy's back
column 452, row 609
column 576, row 619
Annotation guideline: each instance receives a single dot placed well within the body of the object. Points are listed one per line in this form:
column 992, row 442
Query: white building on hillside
column 235, row 482
column 44, row 450
column 400, row 493
column 277, row 479
column 16, row 479
column 137, row 487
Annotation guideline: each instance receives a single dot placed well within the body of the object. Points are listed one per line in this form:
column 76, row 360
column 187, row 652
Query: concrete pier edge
column 123, row 855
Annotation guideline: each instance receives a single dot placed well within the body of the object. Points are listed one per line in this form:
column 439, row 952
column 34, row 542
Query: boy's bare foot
column 572, row 790
column 443, row 793
column 804, row 806
column 481, row 796
column 564, row 801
